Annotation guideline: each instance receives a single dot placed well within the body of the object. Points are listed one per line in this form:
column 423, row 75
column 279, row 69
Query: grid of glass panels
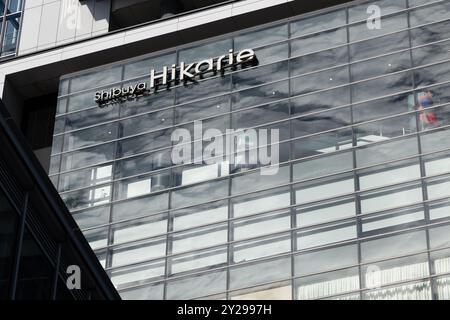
column 10, row 16
column 360, row 207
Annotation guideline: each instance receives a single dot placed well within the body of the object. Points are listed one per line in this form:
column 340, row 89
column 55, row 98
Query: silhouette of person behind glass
column 427, row 119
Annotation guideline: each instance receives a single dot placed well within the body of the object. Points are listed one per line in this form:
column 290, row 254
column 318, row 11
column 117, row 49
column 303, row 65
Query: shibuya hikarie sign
column 176, row 74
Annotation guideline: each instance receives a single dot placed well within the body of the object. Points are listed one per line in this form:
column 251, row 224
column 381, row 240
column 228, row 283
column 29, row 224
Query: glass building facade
column 360, row 206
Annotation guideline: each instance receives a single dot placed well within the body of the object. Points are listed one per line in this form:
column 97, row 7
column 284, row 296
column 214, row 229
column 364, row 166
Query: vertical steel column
column 18, row 249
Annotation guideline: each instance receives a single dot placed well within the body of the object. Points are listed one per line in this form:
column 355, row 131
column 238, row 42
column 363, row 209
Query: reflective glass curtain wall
column 10, row 15
column 360, row 207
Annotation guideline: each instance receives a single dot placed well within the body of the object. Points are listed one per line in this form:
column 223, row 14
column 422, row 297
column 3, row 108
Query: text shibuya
column 176, row 73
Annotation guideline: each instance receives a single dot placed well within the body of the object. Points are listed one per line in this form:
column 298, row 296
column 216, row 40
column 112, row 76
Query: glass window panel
column 205, row 51
column 435, row 141
column 392, row 271
column 137, row 274
column 439, row 211
column 61, row 106
column 261, row 202
column 55, row 162
column 141, row 185
column 389, row 174
column 199, row 238
column 143, row 164
column 142, row 67
column 439, row 237
column 92, row 79
column 438, row 187
column 359, row 11
column 320, row 101
column 142, row 143
column 431, row 75
column 203, row 89
column 390, row 198
column 258, row 116
column 157, row 100
column 327, row 284
column 97, row 238
column 139, row 229
column 383, row 107
column 202, row 109
column 324, row 121
column 381, row 66
column 256, row 249
column 87, row 137
column 324, row 143
column 14, row 6
column 90, row 117
column 440, row 261
column 250, row 275
column 326, row 260
column 261, row 37
column 431, row 53
column 401, row 244
column 414, row 291
column 261, row 225
column 87, row 197
column 319, row 60
column 200, row 215
column 318, row 42
column 384, row 152
column 389, row 24
column 318, row 22
column 57, row 144
column 92, row 217
column 326, row 235
column 348, row 297
column 324, row 188
column 272, row 53
column 320, row 81
column 101, row 256
column 246, row 183
column 59, row 125
column 138, row 252
column 375, row 47
column 200, row 193
column 87, row 157
column 265, row 94
column 442, row 288
column 198, row 260
column 323, row 166
column 260, row 75
column 10, row 35
column 196, row 286
column 139, row 207
column 430, row 14
column 325, row 212
column 414, row 3
column 271, row 292
column 430, row 33
column 386, row 129
column 81, row 101
column 152, row 292
column 147, row 122
column 384, row 86
column 399, row 219
column 85, row 177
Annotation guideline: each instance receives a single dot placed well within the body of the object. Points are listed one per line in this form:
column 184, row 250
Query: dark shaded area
column 39, row 239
